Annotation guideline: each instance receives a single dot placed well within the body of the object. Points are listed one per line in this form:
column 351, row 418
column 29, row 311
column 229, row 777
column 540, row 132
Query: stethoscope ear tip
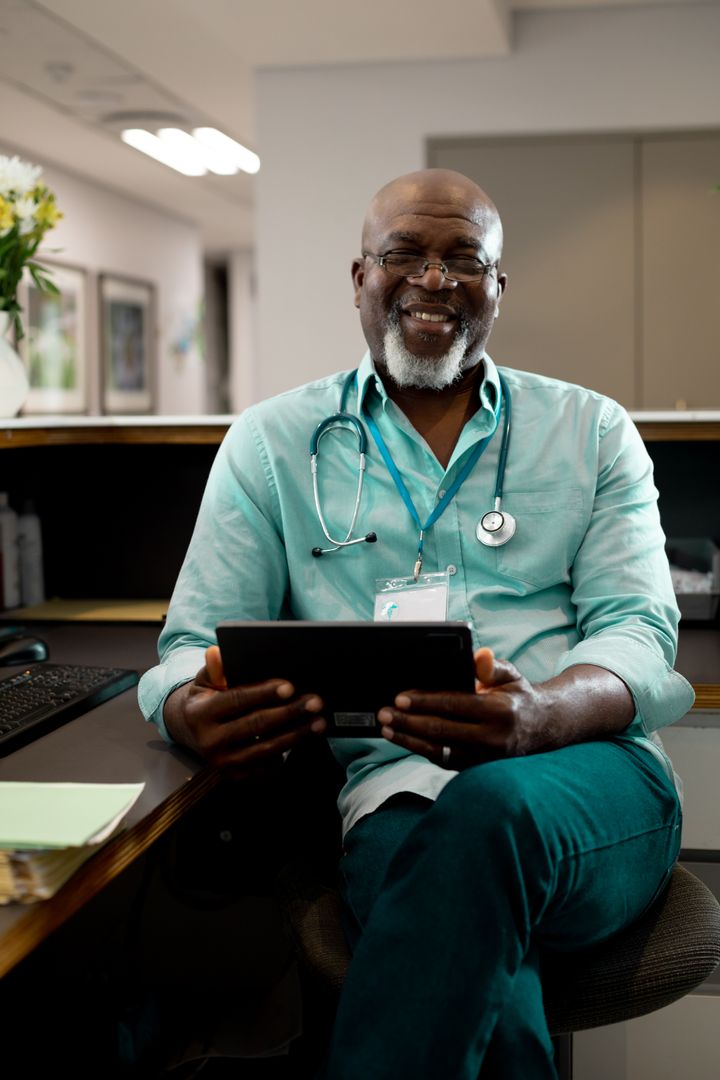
column 316, row 552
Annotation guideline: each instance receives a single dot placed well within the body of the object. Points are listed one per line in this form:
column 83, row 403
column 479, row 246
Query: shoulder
column 556, row 399
column 291, row 414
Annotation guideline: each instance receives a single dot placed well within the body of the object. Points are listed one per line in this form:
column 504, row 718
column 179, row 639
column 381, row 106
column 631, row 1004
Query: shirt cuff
column 660, row 693
column 158, row 683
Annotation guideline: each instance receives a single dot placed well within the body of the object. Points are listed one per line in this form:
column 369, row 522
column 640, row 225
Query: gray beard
column 422, row 372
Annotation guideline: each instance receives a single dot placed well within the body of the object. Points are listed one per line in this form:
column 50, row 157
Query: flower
column 17, row 176
column 27, row 212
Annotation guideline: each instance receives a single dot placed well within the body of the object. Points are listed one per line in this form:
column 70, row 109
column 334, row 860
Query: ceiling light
column 163, row 151
column 216, row 162
column 222, row 144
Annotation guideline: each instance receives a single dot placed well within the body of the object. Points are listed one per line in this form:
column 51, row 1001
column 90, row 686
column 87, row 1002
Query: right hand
column 242, row 730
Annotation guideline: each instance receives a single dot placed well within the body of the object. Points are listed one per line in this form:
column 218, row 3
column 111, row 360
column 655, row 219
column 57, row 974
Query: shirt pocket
column 548, row 534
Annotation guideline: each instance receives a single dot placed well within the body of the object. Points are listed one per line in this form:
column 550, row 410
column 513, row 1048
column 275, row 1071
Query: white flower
column 17, row 176
column 24, row 210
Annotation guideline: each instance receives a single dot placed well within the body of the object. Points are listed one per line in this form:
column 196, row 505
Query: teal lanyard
column 449, row 494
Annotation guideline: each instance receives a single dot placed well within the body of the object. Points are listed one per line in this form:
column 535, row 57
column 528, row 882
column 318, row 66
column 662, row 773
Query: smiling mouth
column 427, row 317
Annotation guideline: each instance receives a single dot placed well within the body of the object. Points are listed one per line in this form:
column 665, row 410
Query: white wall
column 329, row 137
column 103, row 231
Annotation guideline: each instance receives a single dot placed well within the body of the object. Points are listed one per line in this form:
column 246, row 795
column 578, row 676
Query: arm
column 619, row 676
column 509, row 716
column 235, row 568
column 243, row 730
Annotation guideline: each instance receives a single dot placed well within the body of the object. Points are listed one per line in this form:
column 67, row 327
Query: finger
column 491, row 672
column 457, row 758
column 415, row 745
column 225, row 705
column 440, row 730
column 452, row 703
column 484, row 666
column 263, row 724
column 214, row 667
column 263, row 750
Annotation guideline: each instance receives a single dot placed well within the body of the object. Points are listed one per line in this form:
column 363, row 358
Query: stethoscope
column 495, row 527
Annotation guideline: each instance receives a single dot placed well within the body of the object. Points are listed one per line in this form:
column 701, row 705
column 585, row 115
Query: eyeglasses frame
column 381, row 260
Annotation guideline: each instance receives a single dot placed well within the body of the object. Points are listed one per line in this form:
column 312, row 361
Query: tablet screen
column 355, row 667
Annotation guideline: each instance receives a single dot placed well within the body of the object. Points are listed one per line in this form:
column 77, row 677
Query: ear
column 501, row 287
column 358, row 276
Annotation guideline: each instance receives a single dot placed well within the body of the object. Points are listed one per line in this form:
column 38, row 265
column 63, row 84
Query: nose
column 433, row 277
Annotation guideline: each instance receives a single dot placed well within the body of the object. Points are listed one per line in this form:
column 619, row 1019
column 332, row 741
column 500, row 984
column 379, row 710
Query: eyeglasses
column 462, row 268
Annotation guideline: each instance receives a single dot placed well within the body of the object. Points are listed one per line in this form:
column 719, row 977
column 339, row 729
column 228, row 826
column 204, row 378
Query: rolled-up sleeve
column 627, row 614
column 235, row 566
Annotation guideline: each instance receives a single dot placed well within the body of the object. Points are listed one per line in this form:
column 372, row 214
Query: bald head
column 436, row 192
column 427, row 328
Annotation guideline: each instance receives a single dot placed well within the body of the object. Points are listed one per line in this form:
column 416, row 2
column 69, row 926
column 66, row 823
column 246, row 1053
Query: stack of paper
column 48, row 830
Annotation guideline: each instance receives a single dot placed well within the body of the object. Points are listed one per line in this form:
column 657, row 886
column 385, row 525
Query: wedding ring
column 445, row 756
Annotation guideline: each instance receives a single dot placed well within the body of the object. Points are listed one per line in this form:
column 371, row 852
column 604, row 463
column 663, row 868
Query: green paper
column 59, row 815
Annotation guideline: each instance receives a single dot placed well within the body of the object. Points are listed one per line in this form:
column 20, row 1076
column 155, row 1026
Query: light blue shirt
column 585, row 579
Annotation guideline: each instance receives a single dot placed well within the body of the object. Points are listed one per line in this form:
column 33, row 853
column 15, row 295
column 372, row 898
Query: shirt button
column 452, row 569
column 441, row 493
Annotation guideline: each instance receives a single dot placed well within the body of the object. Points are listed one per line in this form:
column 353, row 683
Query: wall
column 329, row 137
column 104, row 231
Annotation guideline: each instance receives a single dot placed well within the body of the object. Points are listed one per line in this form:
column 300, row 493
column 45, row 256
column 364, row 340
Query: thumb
column 484, row 666
column 215, row 670
column 491, row 672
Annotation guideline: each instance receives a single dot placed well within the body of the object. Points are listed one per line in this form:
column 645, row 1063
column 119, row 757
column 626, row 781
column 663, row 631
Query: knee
column 495, row 796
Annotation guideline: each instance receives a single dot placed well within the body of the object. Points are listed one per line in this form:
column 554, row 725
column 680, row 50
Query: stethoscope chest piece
column 495, row 528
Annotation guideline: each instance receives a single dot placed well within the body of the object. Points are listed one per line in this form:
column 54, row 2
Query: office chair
column 668, row 952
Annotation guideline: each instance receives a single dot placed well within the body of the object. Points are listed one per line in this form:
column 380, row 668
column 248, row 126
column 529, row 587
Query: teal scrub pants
column 450, row 903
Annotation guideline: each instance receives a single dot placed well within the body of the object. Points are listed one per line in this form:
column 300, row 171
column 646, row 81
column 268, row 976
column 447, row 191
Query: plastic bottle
column 30, row 549
column 9, row 556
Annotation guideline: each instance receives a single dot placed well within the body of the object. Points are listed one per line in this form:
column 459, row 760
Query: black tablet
column 356, row 667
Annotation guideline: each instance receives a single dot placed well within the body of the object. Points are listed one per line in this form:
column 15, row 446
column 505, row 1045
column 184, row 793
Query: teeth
column 428, row 318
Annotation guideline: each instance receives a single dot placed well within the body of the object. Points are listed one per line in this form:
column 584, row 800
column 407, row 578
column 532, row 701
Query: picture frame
column 54, row 347
column 127, row 344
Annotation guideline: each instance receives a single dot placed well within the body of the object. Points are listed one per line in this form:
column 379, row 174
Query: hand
column 242, row 730
column 505, row 717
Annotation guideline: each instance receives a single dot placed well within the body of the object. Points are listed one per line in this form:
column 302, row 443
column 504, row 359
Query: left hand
column 506, row 717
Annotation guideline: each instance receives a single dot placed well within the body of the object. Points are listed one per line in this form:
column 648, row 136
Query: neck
column 439, row 415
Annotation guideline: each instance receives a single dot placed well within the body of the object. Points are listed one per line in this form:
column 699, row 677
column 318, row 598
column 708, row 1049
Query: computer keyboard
column 41, row 697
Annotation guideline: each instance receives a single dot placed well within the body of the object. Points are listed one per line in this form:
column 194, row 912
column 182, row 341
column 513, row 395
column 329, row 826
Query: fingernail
column 403, row 701
column 285, row 690
column 387, row 733
column 318, row 725
column 385, row 716
column 313, row 704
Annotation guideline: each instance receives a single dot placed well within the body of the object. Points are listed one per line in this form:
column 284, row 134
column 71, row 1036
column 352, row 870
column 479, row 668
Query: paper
column 43, row 816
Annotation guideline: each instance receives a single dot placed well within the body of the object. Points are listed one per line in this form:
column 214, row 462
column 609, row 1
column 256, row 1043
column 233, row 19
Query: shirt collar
column 369, row 380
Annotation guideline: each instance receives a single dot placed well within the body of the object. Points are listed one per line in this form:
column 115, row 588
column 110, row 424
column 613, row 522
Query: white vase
column 14, row 382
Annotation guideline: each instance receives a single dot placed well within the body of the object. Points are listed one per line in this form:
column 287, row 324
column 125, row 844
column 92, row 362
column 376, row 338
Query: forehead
column 443, row 218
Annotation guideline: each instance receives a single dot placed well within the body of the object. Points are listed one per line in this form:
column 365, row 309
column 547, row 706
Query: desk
column 110, row 743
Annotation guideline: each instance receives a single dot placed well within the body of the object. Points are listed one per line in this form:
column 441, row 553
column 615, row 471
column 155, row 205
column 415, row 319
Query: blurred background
column 593, row 124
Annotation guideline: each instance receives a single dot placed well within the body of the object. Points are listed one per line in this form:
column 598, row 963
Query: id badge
column 405, row 599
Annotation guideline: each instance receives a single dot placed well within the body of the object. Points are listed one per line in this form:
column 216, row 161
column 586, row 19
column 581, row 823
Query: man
column 539, row 812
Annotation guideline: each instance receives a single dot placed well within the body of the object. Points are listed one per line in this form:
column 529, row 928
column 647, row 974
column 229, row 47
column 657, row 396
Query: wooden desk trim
column 212, row 433
column 679, row 430
column 195, row 435
column 45, row 916
column 707, row 695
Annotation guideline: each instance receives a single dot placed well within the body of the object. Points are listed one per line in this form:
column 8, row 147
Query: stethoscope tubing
column 347, row 419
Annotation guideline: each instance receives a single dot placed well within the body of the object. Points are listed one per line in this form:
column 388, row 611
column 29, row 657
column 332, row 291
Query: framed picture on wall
column 127, row 344
column 54, row 345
